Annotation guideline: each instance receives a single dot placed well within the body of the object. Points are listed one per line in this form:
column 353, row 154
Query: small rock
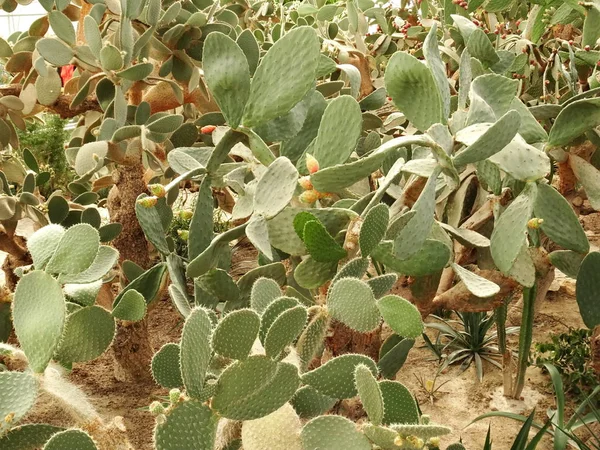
column 568, row 287
column 577, row 201
column 586, row 208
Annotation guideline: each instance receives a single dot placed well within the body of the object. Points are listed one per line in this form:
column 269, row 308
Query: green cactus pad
column 423, row 431
column 401, row 316
column 219, row 283
column 587, row 287
column 195, row 351
column 400, row 405
column 283, row 236
column 351, row 301
column 88, row 333
column 468, row 238
column 43, row 243
column 382, row 284
column 254, row 388
column 412, row 237
column 273, row 311
column 182, row 303
column 478, row 286
column 573, row 120
column 106, row 258
column 71, row 439
column 433, row 257
column 18, row 393
column 392, row 361
column 235, row 334
column 373, row 228
column 132, row 306
column 319, row 243
column 312, row 338
column 300, row 49
column 335, row 378
column 227, row 75
column 83, row 294
column 148, row 284
column 413, row 89
column 150, row 221
column 166, row 366
column 189, row 425
column 566, row 261
column 300, row 221
column 355, row 268
column 201, row 226
column 28, row 437
column 279, row 430
column 589, row 177
column 308, row 402
column 257, row 233
column 456, row 446
column 337, row 177
column 560, row 221
column 381, row 436
column 491, row 141
column 339, row 131
column 311, row 274
column 76, row 250
column 369, row 393
column 38, row 317
column 510, row 230
column 275, row 271
column 275, row 188
column 264, row 292
column 249, row 46
column 333, row 433
column 284, row 330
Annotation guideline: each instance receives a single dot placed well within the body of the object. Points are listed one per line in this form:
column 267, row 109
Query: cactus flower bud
column 398, row 441
column 148, row 202
column 157, row 408
column 186, row 214
column 158, row 190
column 183, row 234
column 305, row 183
column 535, row 223
column 207, row 129
column 425, row 419
column 174, row 395
column 311, row 163
column 434, row 442
column 309, row 196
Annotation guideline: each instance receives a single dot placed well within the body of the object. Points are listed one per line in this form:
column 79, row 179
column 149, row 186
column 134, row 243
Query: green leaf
column 480, row 47
column 62, row 27
column 132, row 307
column 369, row 393
column 54, row 51
column 70, row 439
column 275, row 188
column 414, row 91
column 48, row 88
column 373, row 229
column 284, row 330
column 227, row 75
column 18, row 393
column 76, row 250
column 478, row 286
column 235, row 334
column 268, row 99
column 591, row 26
column 166, row 366
column 587, row 287
column 560, row 221
column 589, row 177
column 38, row 317
column 400, row 405
column 339, row 131
column 438, row 69
column 401, row 316
column 433, row 256
column 249, row 46
column 176, row 432
column 319, row 243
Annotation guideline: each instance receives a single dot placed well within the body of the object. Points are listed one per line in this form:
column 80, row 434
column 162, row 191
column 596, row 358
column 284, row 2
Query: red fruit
column 587, row 48
column 207, row 129
column 305, row 183
column 311, row 164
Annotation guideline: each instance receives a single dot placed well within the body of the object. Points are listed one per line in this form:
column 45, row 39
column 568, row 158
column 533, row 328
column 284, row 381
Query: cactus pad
column 477, row 285
column 105, row 259
column 312, row 338
column 275, row 188
column 195, row 351
column 423, row 431
column 308, row 402
column 369, row 393
column 264, row 292
column 382, row 284
column 311, row 274
column 587, row 287
column 335, row 378
column 166, row 366
column 319, row 243
column 279, row 430
column 381, row 436
column 76, row 250
column 373, row 228
column 355, row 268
column 254, row 388
column 189, row 425
column 400, row 406
column 132, row 306
column 235, row 334
column 72, row 439
column 18, row 393
column 88, row 333
column 150, row 221
column 351, row 301
column 38, row 317
column 284, row 330
column 43, row 243
column 333, row 433
column 28, row 437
